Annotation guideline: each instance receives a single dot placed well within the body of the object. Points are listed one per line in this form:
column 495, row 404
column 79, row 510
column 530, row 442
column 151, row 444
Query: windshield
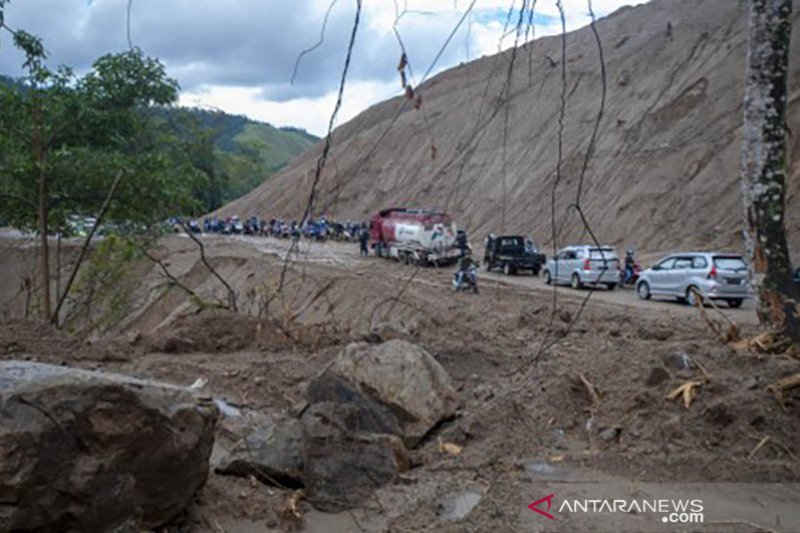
column 730, row 263
column 602, row 253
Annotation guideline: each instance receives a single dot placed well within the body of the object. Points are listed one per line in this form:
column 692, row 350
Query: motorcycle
column 466, row 280
column 637, row 270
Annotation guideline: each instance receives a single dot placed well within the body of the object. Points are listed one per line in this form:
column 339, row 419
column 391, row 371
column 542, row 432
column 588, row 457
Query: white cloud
column 238, row 55
column 311, row 114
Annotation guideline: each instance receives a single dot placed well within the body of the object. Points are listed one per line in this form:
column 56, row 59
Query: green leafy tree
column 66, row 142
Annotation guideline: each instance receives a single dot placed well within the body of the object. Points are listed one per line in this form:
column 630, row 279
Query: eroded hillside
column 664, row 174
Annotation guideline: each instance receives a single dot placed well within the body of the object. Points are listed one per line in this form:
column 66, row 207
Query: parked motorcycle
column 466, row 280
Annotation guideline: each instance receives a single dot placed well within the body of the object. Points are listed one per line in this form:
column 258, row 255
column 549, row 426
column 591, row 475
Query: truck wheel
column 507, row 269
column 535, row 272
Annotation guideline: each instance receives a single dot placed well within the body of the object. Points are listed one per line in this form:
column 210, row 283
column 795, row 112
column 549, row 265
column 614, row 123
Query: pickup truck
column 512, row 253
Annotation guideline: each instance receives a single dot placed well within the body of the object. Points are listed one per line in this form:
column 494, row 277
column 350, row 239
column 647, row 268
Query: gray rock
column 342, row 467
column 657, row 376
column 405, row 378
column 270, row 451
column 89, row 451
column 609, row 434
column 457, row 506
column 367, row 414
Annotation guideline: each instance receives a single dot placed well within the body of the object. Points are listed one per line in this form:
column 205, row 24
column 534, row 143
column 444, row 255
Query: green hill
column 237, row 154
column 245, row 152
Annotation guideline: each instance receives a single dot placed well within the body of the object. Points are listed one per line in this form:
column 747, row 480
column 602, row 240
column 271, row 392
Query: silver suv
column 579, row 265
column 716, row 276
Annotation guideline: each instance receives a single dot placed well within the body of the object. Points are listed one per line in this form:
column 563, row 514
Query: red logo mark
column 535, row 506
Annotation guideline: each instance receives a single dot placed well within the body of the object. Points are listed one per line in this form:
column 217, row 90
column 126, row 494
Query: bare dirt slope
column 664, row 174
column 519, row 411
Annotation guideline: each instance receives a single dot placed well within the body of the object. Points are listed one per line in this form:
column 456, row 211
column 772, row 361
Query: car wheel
column 507, row 269
column 735, row 303
column 576, row 281
column 546, row 277
column 691, row 297
column 611, row 286
column 643, row 290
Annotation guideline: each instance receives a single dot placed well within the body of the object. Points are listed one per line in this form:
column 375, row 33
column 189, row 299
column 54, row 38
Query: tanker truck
column 414, row 236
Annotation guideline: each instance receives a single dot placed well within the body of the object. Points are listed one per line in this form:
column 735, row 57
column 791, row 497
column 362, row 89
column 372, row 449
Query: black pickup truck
column 511, row 253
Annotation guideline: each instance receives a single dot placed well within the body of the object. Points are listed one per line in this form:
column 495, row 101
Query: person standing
column 363, row 239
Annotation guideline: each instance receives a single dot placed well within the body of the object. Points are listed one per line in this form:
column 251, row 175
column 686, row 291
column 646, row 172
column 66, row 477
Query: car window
column 511, row 243
column 699, row 262
column 602, row 253
column 682, row 263
column 666, row 264
column 730, row 263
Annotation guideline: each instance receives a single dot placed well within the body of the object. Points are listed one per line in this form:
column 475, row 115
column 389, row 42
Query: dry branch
column 204, row 260
column 85, row 248
column 591, row 390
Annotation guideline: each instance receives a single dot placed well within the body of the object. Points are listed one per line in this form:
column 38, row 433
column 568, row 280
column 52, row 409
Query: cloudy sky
column 239, row 55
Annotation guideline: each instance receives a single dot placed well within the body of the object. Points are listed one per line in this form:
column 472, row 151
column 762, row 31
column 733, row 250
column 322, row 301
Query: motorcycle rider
column 464, row 264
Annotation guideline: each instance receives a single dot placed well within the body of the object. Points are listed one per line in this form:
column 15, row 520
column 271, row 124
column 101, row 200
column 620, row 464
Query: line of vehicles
column 430, row 238
column 421, row 237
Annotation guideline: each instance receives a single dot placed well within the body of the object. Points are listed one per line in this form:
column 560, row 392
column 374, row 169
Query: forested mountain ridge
column 245, row 152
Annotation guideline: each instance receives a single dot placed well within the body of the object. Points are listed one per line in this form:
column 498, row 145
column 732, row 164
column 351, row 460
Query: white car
column 584, row 264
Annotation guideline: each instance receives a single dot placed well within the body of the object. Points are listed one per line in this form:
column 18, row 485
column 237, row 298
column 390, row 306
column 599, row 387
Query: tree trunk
column 763, row 165
column 42, row 209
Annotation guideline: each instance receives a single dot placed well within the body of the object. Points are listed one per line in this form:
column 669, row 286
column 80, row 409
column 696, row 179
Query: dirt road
column 346, row 255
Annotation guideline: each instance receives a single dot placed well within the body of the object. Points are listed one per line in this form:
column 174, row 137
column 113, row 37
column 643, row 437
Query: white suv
column 715, row 275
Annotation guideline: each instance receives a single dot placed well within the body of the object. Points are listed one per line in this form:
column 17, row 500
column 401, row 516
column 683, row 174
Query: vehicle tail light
column 587, row 265
column 713, row 273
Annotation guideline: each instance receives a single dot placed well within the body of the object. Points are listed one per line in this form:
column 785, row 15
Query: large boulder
column 405, row 378
column 367, row 414
column 271, row 451
column 343, row 466
column 88, row 451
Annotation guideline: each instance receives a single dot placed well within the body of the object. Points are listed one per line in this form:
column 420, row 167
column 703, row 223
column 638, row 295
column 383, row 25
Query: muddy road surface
column 346, row 255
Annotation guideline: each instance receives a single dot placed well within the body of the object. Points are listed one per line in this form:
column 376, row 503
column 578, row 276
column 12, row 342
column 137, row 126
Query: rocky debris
column 393, row 329
column 270, row 451
column 609, row 435
column 405, row 378
column 353, row 428
column 657, row 376
column 483, row 392
column 457, row 506
column 655, row 333
column 343, row 466
column 90, row 451
column 678, row 361
column 210, row 331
